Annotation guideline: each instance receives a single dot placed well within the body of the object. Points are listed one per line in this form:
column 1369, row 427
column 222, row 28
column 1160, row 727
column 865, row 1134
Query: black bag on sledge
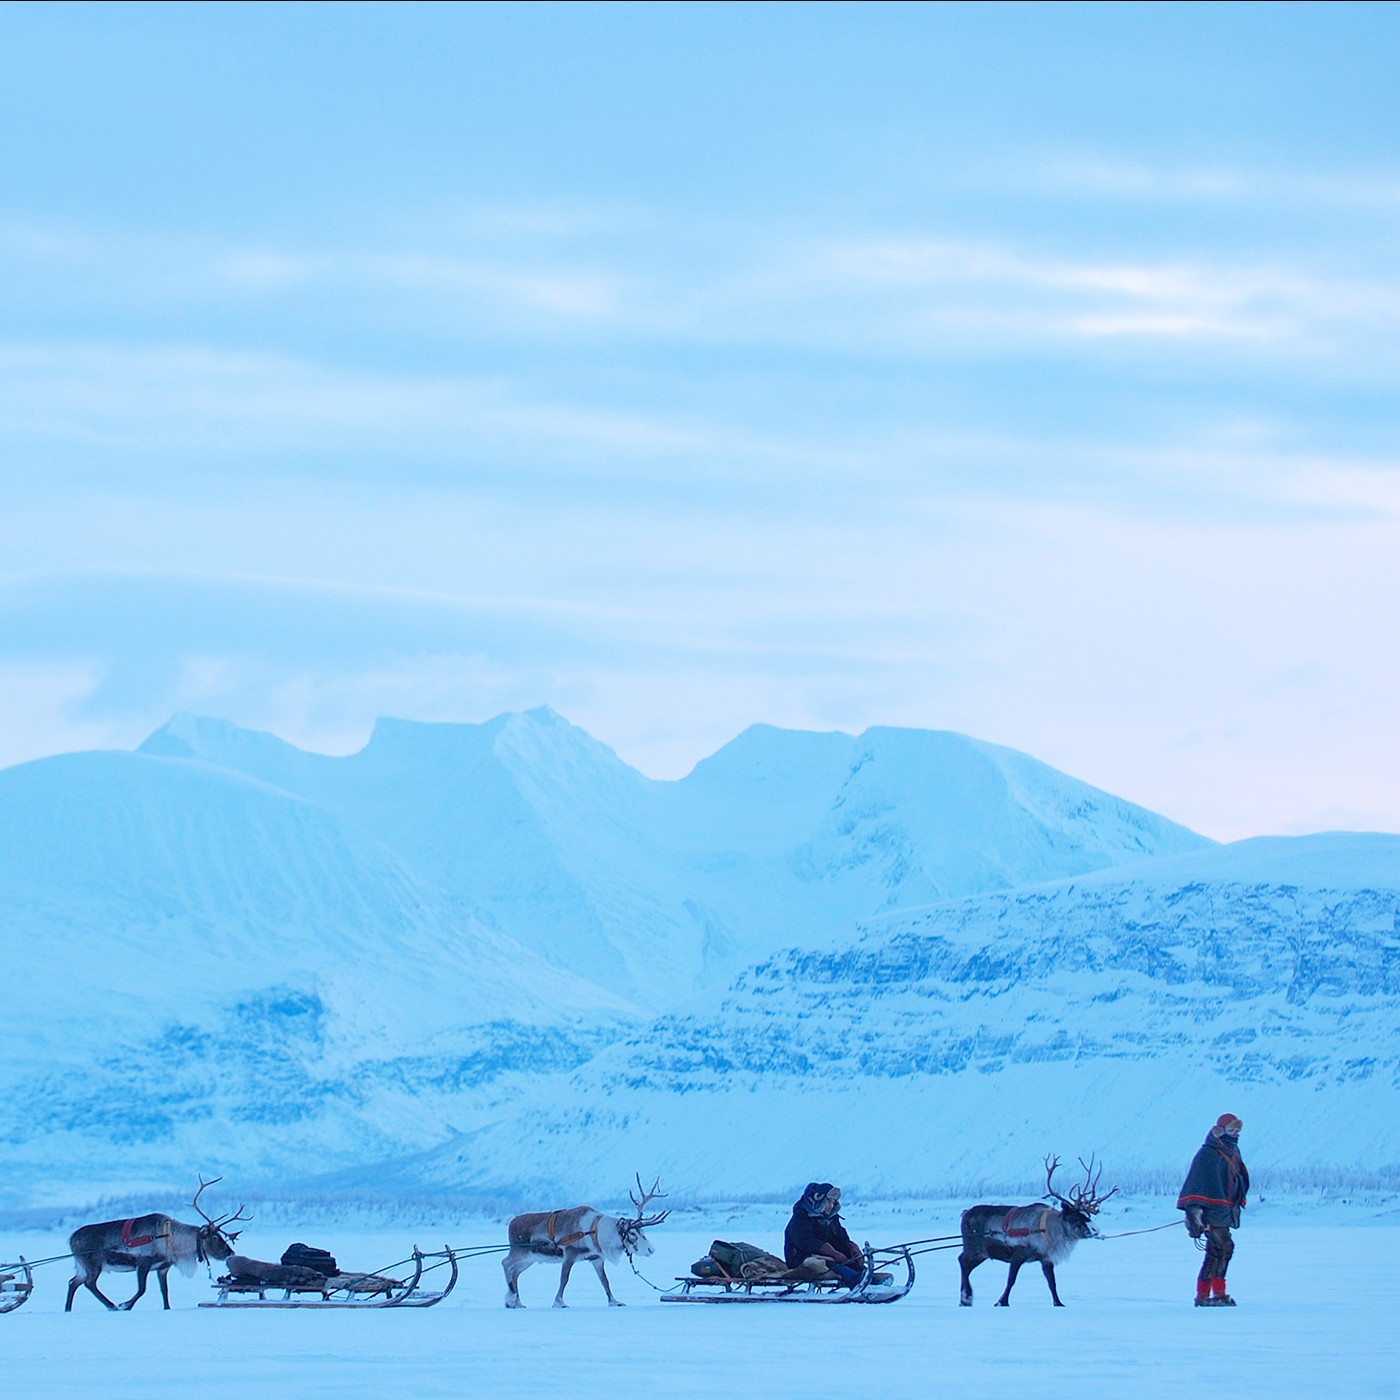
column 306, row 1256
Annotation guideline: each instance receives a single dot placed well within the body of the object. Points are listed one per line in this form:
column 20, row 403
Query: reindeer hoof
column 559, row 1304
column 613, row 1303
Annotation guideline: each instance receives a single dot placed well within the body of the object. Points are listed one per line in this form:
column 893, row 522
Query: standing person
column 816, row 1229
column 1212, row 1197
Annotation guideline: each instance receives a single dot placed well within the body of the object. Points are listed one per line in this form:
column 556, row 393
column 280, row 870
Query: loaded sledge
column 739, row 1273
column 16, row 1284
column 310, row 1278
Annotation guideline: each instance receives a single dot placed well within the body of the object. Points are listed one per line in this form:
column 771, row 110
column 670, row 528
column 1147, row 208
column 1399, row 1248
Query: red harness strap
column 1019, row 1232
column 130, row 1241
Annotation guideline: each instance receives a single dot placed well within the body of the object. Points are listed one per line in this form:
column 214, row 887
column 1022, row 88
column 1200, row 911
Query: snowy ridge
column 656, row 889
column 1118, row 1014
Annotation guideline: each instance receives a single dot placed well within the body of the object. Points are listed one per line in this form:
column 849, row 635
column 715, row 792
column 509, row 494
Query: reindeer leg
column 101, row 1296
column 603, row 1279
column 163, row 1276
column 967, row 1264
column 86, row 1277
column 1005, row 1300
column 515, row 1263
column 1049, row 1270
column 570, row 1255
column 142, row 1270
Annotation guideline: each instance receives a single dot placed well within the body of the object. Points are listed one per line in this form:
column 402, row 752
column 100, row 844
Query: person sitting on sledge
column 816, row 1230
column 1212, row 1197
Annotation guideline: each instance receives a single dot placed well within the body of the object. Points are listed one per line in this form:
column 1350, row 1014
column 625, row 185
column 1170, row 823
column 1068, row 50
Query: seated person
column 816, row 1229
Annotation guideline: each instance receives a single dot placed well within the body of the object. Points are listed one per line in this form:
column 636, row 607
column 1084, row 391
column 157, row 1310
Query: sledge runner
column 822, row 1264
column 1212, row 1196
column 308, row 1277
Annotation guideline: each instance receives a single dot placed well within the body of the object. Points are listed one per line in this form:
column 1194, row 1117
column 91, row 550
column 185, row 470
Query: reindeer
column 579, row 1232
column 144, row 1243
column 1018, row 1235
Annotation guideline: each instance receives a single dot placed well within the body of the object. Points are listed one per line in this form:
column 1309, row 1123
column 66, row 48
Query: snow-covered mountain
column 1117, row 1013
column 222, row 950
column 200, row 967
column 657, row 889
column 909, row 959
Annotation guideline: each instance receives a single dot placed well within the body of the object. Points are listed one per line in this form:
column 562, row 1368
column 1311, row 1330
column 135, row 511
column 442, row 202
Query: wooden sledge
column 344, row 1290
column 15, row 1287
column 875, row 1285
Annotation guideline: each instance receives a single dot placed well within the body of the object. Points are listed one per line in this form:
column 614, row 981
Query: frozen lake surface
column 1317, row 1315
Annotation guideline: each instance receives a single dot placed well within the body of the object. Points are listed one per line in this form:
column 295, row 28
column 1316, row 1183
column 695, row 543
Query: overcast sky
column 1024, row 371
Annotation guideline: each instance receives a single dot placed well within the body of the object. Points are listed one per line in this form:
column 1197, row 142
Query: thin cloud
column 1375, row 189
column 652, row 287
column 573, row 293
column 566, row 291
column 1182, row 325
column 203, row 395
column 1172, row 300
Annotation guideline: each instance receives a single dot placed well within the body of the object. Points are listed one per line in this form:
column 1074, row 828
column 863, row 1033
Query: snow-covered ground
column 1318, row 1286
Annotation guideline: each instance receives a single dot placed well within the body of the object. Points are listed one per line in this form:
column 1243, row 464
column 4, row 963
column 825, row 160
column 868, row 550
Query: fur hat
column 1228, row 1123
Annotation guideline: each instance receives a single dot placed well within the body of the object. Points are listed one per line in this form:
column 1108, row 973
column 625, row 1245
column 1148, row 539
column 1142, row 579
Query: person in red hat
column 1213, row 1196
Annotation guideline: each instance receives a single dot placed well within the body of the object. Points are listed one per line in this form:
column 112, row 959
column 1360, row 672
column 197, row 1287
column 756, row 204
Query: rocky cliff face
column 1118, row 1013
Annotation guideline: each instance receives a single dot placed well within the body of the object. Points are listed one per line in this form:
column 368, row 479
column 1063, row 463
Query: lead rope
column 631, row 1261
column 1123, row 1235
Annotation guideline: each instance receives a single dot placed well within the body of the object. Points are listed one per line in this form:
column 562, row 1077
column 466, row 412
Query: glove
column 1195, row 1225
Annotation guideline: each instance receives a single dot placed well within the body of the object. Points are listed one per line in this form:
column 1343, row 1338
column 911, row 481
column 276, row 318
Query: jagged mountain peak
column 187, row 735
column 661, row 888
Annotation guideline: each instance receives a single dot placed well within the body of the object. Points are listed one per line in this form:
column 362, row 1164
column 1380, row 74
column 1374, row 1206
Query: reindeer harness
column 549, row 1226
column 131, row 1240
column 1020, row 1232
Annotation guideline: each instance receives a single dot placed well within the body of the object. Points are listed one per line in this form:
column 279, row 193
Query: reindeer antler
column 1087, row 1197
column 1050, row 1168
column 203, row 1187
column 647, row 1196
column 219, row 1225
column 222, row 1225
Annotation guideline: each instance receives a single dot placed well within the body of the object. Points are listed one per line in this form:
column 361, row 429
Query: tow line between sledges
column 250, row 1287
column 877, row 1284
column 16, row 1284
